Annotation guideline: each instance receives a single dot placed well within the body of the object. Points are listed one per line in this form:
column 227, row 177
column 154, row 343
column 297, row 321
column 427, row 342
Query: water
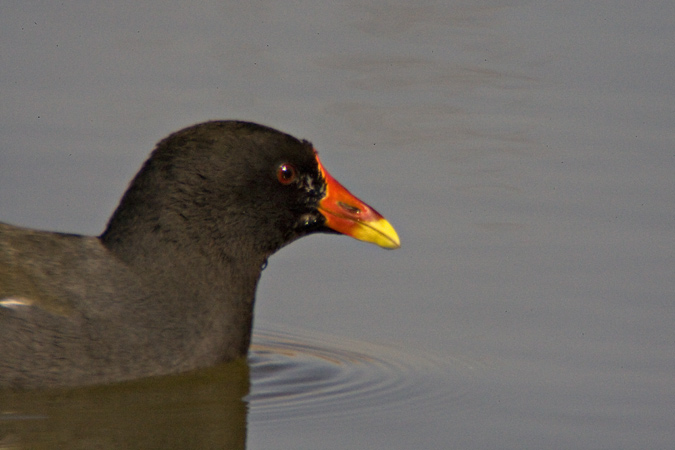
column 310, row 376
column 294, row 377
column 524, row 152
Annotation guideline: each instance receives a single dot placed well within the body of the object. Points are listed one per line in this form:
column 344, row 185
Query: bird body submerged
column 170, row 285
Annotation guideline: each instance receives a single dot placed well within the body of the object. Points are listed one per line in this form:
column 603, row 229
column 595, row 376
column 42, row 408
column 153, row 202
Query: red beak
column 348, row 215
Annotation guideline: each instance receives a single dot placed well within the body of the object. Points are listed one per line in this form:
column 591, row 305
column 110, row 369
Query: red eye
column 286, row 173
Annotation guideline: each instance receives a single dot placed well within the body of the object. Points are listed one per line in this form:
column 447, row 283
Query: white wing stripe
column 15, row 302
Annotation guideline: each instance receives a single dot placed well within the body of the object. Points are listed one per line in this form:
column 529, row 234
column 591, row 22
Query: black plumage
column 170, row 284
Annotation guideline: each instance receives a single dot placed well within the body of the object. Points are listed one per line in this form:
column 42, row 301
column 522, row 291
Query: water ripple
column 311, row 374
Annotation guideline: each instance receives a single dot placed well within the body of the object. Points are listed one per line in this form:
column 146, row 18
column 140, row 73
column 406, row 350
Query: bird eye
column 286, row 173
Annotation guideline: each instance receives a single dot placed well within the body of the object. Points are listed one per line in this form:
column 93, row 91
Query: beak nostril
column 349, row 208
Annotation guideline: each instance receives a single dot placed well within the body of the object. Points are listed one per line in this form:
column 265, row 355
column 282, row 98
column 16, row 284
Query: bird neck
column 205, row 283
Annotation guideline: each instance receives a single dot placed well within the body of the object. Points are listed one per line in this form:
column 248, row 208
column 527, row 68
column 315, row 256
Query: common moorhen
column 170, row 284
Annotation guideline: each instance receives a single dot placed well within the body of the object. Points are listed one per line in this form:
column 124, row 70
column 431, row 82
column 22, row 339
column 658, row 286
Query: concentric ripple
column 311, row 374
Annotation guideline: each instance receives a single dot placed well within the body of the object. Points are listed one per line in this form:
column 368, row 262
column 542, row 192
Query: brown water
column 524, row 152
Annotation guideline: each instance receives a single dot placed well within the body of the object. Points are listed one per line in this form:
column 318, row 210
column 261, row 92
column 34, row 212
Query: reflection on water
column 197, row 410
column 292, row 376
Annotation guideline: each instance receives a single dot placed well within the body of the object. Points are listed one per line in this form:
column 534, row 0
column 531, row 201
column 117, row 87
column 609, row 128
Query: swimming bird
column 170, row 284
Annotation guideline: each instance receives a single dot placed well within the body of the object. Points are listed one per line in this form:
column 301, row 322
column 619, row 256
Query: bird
column 170, row 284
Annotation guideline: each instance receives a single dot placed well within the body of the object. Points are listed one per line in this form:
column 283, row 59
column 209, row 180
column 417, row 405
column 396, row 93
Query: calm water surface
column 525, row 152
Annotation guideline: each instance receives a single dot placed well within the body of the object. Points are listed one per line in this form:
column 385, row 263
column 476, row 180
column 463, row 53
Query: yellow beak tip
column 379, row 232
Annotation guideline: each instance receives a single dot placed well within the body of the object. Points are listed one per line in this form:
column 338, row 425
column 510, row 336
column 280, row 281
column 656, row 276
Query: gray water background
column 525, row 152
